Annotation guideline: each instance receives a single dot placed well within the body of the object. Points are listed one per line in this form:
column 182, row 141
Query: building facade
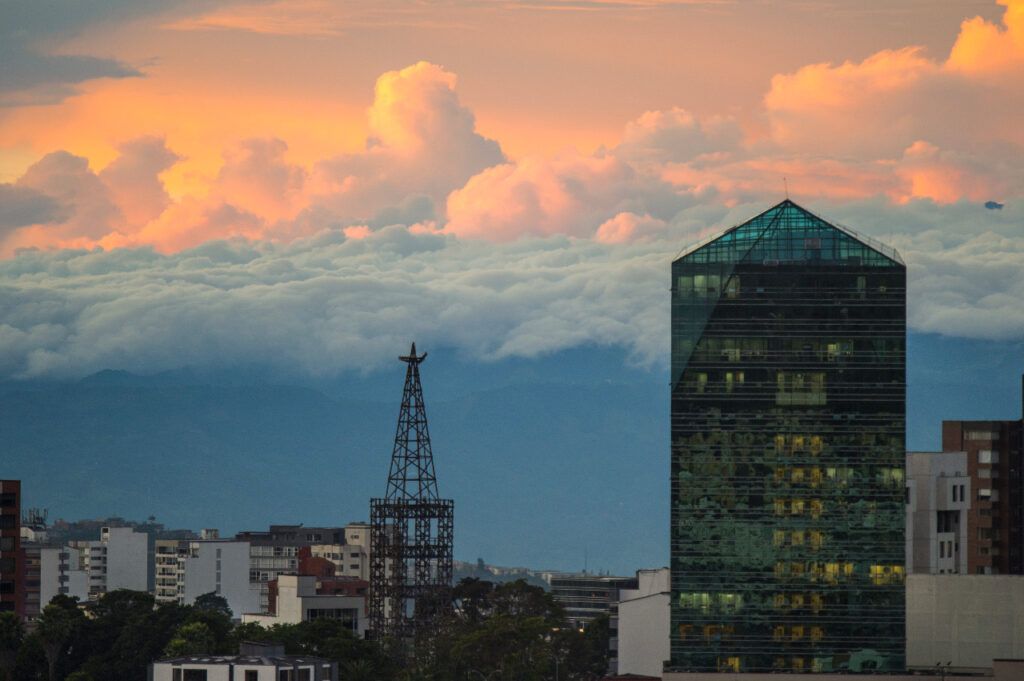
column 584, row 596
column 788, row 445
column 643, row 624
column 303, row 598
column 996, row 514
column 939, row 494
column 968, row 621
column 11, row 557
column 254, row 662
column 275, row 552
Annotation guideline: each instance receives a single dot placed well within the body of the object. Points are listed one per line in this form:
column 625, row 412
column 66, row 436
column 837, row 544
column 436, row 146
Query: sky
column 306, row 185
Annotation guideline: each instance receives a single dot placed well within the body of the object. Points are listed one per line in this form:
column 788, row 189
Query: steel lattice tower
column 411, row 529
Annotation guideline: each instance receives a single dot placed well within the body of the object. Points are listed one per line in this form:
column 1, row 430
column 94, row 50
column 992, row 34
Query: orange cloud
column 629, row 227
column 984, row 48
column 568, row 194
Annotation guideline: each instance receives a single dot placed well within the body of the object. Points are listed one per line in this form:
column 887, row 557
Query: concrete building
column 351, row 559
column 967, row 620
column 643, row 623
column 1002, row 670
column 939, row 494
column 118, row 560
column 585, row 596
column 185, row 569
column 11, row 557
column 220, row 567
column 301, row 598
column 255, row 662
column 966, row 623
column 87, row 569
column 167, row 568
column 275, row 552
column 995, row 518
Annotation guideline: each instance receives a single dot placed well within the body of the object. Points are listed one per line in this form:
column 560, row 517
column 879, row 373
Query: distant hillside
column 541, row 473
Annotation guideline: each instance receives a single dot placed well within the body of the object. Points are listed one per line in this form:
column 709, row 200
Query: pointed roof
column 787, row 232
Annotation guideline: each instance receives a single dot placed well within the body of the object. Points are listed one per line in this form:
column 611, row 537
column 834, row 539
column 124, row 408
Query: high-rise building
column 788, row 444
column 939, row 494
column 994, row 460
column 11, row 559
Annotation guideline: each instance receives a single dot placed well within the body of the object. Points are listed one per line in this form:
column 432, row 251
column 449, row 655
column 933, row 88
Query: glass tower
column 788, row 429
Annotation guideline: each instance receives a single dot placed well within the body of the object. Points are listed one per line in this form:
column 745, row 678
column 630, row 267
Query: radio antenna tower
column 411, row 529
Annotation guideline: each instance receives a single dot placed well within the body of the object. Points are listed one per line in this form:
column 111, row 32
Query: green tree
column 193, row 638
column 213, row 601
column 59, row 623
column 12, row 633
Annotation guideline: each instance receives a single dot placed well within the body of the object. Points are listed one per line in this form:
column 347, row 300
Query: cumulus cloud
column 566, row 194
column 432, row 230
column 423, row 144
column 21, row 206
column 950, row 128
column 133, row 178
column 67, row 179
column 629, row 227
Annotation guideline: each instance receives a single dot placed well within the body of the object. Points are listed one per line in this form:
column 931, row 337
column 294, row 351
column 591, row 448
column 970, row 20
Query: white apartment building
column 220, row 567
column 89, row 569
column 61, row 572
column 186, row 569
column 166, row 569
column 938, row 499
column 275, row 552
column 350, row 560
column 643, row 624
column 298, row 601
column 255, row 662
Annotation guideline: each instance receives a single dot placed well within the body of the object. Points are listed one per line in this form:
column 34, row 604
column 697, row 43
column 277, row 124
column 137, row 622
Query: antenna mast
column 411, row 530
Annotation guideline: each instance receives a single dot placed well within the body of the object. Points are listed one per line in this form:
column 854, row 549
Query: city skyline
column 239, row 194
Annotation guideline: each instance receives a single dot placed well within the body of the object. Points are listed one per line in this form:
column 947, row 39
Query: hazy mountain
column 548, row 460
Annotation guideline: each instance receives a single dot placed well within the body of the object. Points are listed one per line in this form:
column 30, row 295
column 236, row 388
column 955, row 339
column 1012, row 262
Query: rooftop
column 787, row 232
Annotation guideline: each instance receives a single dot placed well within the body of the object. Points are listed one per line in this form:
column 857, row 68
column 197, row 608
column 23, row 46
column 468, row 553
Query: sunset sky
column 504, row 177
column 293, row 190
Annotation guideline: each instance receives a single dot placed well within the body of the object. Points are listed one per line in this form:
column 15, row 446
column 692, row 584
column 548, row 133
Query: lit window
column 732, row 287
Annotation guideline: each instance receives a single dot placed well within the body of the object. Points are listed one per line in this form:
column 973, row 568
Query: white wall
column 127, row 558
column 226, row 560
column 643, row 636
column 77, row 579
column 968, row 620
column 49, row 575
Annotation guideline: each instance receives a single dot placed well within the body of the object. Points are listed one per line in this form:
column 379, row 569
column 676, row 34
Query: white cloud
column 328, row 303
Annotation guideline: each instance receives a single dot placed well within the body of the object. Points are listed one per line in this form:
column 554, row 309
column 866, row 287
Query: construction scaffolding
column 411, row 531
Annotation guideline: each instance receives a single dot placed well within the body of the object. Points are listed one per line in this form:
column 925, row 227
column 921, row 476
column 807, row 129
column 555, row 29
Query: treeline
column 491, row 633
